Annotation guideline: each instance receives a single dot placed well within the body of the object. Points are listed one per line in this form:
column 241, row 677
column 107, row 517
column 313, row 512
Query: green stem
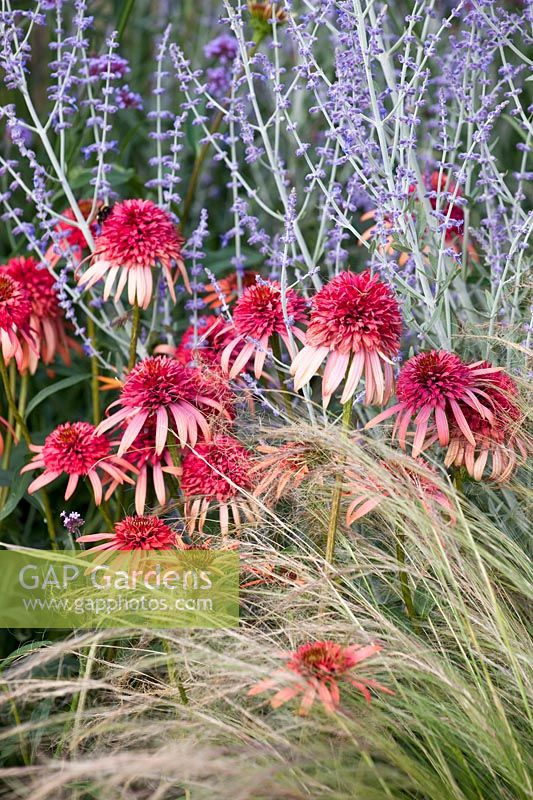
column 337, row 491
column 18, row 722
column 135, row 325
column 276, row 352
column 173, row 676
column 95, row 393
column 106, row 516
column 8, row 446
column 404, row 578
column 23, row 399
column 21, row 423
column 458, row 480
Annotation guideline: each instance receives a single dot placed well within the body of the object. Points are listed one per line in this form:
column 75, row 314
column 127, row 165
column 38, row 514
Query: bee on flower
column 137, row 237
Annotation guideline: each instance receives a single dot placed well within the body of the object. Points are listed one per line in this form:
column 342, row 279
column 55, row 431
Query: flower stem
column 95, row 394
column 23, row 399
column 458, row 480
column 4, row 491
column 337, row 491
column 135, row 325
column 276, row 352
column 404, row 578
column 21, row 424
column 173, row 676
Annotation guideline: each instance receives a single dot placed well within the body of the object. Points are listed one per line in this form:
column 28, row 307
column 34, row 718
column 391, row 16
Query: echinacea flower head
column 198, row 344
column 77, row 450
column 69, row 239
column 315, row 670
column 226, row 289
column 46, row 317
column 142, row 454
column 162, row 390
column 136, row 238
column 15, row 318
column 284, row 467
column 134, row 533
column 356, row 325
column 263, row 12
column 415, row 480
column 257, row 317
column 216, row 472
column 432, row 387
column 499, row 444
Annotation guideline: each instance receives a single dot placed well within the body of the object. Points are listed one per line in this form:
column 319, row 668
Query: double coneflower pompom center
column 74, row 447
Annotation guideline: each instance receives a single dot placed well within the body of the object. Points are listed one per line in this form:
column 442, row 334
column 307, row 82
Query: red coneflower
column 215, row 473
column 227, row 289
column 436, row 185
column 197, row 345
column 163, row 390
column 69, row 239
column 284, row 467
column 497, row 439
column 15, row 316
column 136, row 237
column 142, row 454
column 46, row 317
column 134, row 533
column 355, row 324
column 366, row 492
column 315, row 670
column 257, row 317
column 437, row 383
column 77, row 450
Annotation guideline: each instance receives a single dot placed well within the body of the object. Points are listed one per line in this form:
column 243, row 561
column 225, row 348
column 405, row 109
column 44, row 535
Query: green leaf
column 25, row 649
column 55, row 387
column 127, row 8
column 18, row 487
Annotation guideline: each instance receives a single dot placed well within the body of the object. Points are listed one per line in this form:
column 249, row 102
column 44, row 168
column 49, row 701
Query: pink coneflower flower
column 216, row 472
column 136, row 237
column 283, row 468
column 366, row 492
column 437, row 384
column 46, row 317
column 69, row 240
column 161, row 389
column 497, row 439
column 257, row 317
column 200, row 345
column 134, row 533
column 15, row 316
column 453, row 211
column 315, row 670
column 226, row 289
column 355, row 325
column 142, row 454
column 77, row 450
